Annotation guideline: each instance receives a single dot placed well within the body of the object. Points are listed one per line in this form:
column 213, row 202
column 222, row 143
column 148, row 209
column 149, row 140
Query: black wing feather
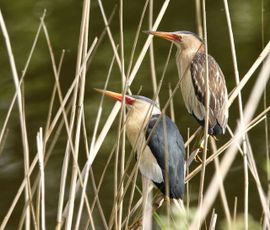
column 176, row 151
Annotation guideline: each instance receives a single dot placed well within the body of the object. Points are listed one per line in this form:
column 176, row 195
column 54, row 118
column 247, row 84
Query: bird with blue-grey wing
column 158, row 144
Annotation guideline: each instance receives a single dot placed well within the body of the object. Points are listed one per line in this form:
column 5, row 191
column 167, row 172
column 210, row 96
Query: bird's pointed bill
column 166, row 35
column 117, row 96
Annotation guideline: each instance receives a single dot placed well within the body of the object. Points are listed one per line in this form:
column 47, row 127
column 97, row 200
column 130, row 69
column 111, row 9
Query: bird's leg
column 192, row 156
column 195, row 154
column 199, row 145
column 136, row 226
column 198, row 158
column 215, row 138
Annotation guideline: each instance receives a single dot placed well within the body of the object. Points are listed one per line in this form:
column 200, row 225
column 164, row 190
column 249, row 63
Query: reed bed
column 80, row 205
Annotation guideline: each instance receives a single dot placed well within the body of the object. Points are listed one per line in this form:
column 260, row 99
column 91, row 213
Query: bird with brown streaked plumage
column 191, row 65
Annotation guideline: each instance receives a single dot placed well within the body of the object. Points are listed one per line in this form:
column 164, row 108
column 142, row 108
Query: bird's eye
column 179, row 38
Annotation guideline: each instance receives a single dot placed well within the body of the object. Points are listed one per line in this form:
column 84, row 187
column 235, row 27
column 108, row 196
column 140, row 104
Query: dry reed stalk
column 235, row 209
column 83, row 194
column 37, row 206
column 52, row 100
column 166, row 160
column 249, row 74
column 146, row 203
column 138, row 32
column 78, row 98
column 240, row 106
column 40, row 151
column 104, row 221
column 60, row 94
column 192, row 137
column 132, row 211
column 33, row 164
column 12, row 104
column 28, row 197
column 121, row 135
column 122, row 161
column 46, row 138
column 116, row 162
column 94, row 139
column 55, row 72
column 22, row 78
column 171, row 104
column 151, row 53
column 101, row 37
column 267, row 145
column 131, row 197
column 100, row 209
column 206, row 120
column 4, row 138
column 131, row 179
column 122, row 118
column 62, row 104
column 148, row 42
column 188, row 191
column 88, row 166
column 118, row 59
column 198, row 10
column 231, row 152
column 221, row 186
column 213, row 221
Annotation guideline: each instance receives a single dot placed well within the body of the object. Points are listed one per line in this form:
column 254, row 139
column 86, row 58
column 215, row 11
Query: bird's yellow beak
column 166, row 35
column 117, row 96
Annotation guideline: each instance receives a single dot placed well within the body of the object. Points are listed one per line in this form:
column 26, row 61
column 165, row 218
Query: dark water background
column 63, row 22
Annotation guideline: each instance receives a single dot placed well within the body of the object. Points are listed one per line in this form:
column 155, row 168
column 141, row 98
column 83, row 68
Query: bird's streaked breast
column 192, row 104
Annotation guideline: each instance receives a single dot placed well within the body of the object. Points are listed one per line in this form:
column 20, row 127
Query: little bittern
column 191, row 65
column 158, row 143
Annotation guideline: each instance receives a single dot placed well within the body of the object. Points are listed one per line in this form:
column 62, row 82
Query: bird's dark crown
column 191, row 33
column 145, row 99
